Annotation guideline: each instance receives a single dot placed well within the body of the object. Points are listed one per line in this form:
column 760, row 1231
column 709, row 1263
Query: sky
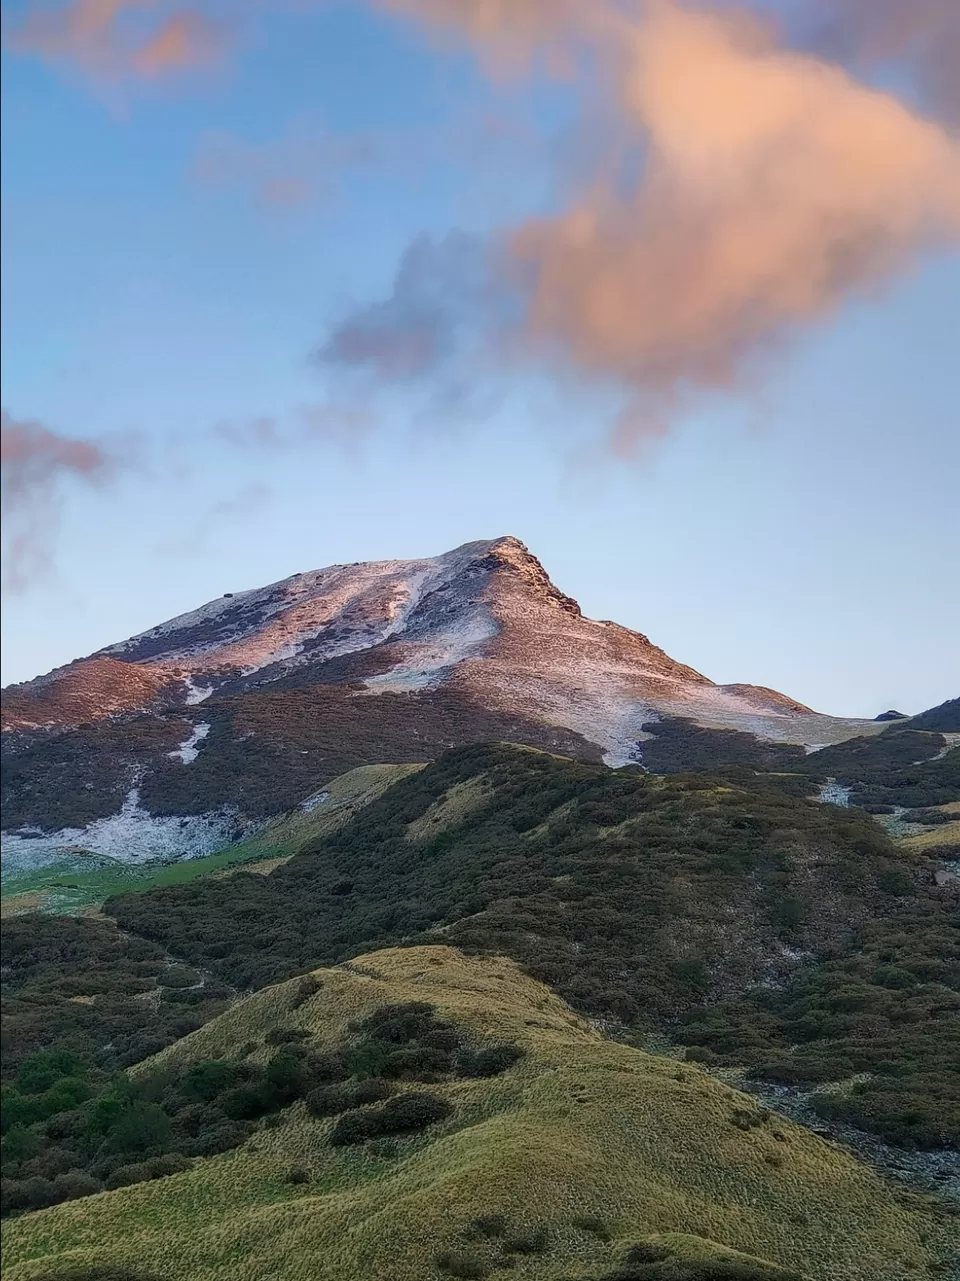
column 671, row 292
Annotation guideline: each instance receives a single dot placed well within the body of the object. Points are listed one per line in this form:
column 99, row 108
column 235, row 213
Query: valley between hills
column 470, row 937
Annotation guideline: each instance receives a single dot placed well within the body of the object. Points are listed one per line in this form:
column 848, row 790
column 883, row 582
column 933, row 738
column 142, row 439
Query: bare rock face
column 387, row 660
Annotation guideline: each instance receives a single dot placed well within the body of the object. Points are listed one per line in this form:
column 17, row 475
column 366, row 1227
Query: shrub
column 308, row 986
column 218, row 1138
column 353, row 1127
column 169, row 1163
column 246, row 1102
column 402, row 1113
column 490, row 1061
column 536, row 1241
column 177, row 976
column 297, row 1175
column 328, row 1067
column 490, row 1225
column 287, row 1077
column 415, row 1061
column 384, row 1149
column 74, row 1184
column 124, row 1175
column 28, row 1194
column 458, row 1264
column 95, row 1272
column 593, row 1224
column 285, row 1035
column 414, row 1111
column 329, row 1100
column 371, row 1090
column 650, row 1262
column 209, row 1079
column 139, row 1127
column 895, row 881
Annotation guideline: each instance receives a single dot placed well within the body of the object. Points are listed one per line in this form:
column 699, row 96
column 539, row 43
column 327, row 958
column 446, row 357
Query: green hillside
column 584, row 1159
column 86, row 880
column 731, row 913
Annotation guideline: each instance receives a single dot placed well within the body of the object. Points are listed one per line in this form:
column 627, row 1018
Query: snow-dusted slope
column 483, row 620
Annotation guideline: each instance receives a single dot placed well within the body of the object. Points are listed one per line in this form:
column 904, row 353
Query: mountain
column 178, row 739
column 514, row 1136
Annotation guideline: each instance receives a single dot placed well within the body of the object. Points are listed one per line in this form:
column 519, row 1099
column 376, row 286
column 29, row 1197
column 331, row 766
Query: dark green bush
column 210, row 1079
column 400, row 1114
column 370, row 1090
column 329, row 1100
column 286, row 1035
column 490, row 1225
column 413, row 1111
column 489, row 1061
column 246, row 1102
column 353, row 1127
column 218, row 1138
column 457, row 1263
column 594, row 1225
column 95, row 1272
column 650, row 1262
column 536, row 1241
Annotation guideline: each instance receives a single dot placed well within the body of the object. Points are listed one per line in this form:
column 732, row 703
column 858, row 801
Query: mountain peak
column 481, row 626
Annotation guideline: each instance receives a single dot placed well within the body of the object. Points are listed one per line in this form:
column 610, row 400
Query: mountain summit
column 264, row 693
column 484, row 617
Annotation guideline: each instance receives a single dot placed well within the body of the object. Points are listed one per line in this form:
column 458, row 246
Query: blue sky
column 800, row 531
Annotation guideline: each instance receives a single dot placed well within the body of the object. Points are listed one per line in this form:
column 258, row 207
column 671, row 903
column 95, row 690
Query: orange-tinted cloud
column 36, row 464
column 773, row 188
column 115, row 38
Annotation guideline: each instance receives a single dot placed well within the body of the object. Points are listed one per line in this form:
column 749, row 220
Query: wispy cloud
column 111, row 39
column 38, row 467
column 343, row 425
column 246, row 504
column 773, row 187
column 303, row 166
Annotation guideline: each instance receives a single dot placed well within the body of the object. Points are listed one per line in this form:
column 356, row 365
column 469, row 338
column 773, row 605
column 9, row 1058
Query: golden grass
column 946, row 834
column 453, row 808
column 346, row 796
column 580, row 1127
column 18, row 903
column 259, row 867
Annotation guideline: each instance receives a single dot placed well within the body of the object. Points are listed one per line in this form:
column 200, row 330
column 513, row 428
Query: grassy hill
column 585, row 1159
column 732, row 912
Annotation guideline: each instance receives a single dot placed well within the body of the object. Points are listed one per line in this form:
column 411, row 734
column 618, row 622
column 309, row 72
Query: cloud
column 304, row 166
column 344, row 425
column 249, row 502
column 37, row 466
column 922, row 36
column 773, row 187
column 111, row 39
column 438, row 290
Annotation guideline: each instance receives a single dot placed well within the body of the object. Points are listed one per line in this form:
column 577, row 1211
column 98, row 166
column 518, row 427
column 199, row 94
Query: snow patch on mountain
column 188, row 750
column 196, row 693
column 834, row 793
column 314, row 802
column 312, row 616
column 428, row 662
column 131, row 836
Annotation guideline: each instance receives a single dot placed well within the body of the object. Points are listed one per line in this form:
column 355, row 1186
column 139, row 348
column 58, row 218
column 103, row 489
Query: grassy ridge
column 580, row 1151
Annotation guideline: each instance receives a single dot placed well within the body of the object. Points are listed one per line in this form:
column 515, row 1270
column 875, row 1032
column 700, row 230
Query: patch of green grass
column 87, row 880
